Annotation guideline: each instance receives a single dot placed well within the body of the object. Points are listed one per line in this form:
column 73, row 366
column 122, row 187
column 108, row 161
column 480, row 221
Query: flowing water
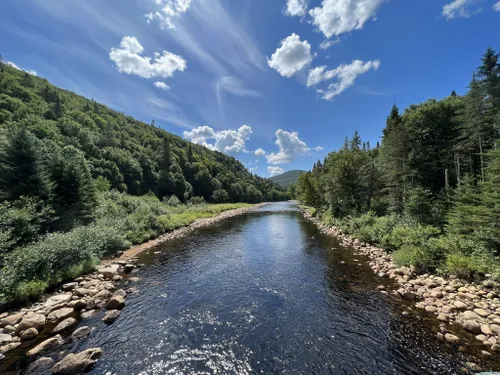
column 264, row 293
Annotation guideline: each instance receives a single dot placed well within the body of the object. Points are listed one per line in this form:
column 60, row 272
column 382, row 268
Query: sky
column 275, row 83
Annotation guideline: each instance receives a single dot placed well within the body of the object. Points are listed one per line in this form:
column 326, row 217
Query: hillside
column 133, row 156
column 288, row 178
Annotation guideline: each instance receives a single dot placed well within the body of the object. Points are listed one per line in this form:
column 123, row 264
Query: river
column 264, row 293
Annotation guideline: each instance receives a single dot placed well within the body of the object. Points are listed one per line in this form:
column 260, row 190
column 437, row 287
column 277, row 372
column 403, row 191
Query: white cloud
column 460, row 8
column 234, row 85
column 227, row 141
column 170, row 10
column 290, row 147
column 496, row 7
column 162, row 85
column 296, row 7
column 275, row 171
column 129, row 60
column 292, row 56
column 344, row 74
column 319, row 148
column 10, row 63
column 259, row 152
column 336, row 17
column 328, row 43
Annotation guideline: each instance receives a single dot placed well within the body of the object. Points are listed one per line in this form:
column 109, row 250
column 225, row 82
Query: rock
column 481, row 338
column 109, row 271
column 58, row 299
column 11, row 320
column 473, row 366
column 81, row 332
column 36, row 321
column 405, row 294
column 29, row 334
column 442, row 317
column 495, row 348
column 133, row 279
column 116, row 302
column 132, row 290
column 471, row 315
column 111, row 316
column 7, row 348
column 49, row 344
column 60, row 314
column 78, row 304
column 440, row 336
column 436, row 294
column 495, row 328
column 80, row 292
column 88, row 314
column 485, row 328
column 64, row 325
column 128, row 268
column 4, row 315
column 481, row 312
column 405, row 313
column 77, row 363
column 5, row 339
column 472, row 326
column 39, row 365
column 459, row 305
column 485, row 353
column 121, row 293
column 9, row 329
column 430, row 309
column 452, row 339
column 69, row 286
column 99, row 300
column 117, row 278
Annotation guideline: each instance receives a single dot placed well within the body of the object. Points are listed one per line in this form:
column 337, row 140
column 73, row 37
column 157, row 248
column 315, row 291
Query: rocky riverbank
column 472, row 306
column 34, row 335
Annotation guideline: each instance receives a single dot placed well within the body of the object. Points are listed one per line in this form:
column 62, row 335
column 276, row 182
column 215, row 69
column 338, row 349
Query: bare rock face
column 77, row 363
column 111, row 316
column 49, row 344
column 29, row 334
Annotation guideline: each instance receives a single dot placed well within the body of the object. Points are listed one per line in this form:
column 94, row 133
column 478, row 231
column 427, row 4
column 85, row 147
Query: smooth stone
column 460, row 305
column 452, row 339
column 64, row 325
column 111, row 316
column 9, row 329
column 11, row 320
column 120, row 292
column 48, row 344
column 88, row 314
column 7, row 348
column 495, row 348
column 430, row 309
column 495, row 328
column 5, row 338
column 58, row 299
column 472, row 326
column 40, row 364
column 116, row 302
column 442, row 317
column 77, row 363
column 81, row 332
column 32, row 321
column 471, row 315
column 60, row 314
column 29, row 334
column 481, row 312
column 485, row 328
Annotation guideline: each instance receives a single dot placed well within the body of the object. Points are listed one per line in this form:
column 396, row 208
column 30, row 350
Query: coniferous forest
column 79, row 180
column 429, row 192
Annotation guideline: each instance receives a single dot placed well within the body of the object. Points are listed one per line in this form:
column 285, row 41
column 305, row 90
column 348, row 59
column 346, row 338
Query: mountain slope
column 133, row 156
column 288, row 178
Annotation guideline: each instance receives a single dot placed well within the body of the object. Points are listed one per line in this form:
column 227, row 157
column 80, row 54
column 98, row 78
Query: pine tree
column 58, row 109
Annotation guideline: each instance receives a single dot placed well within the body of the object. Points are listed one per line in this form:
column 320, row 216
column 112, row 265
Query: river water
column 264, row 293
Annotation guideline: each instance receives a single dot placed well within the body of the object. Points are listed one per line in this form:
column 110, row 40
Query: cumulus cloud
column 344, row 74
column 275, row 171
column 296, row 8
column 129, row 60
column 227, row 141
column 10, row 63
column 259, row 152
column 290, row 147
column 162, row 85
column 292, row 56
column 170, row 10
column 460, row 8
column 496, row 7
column 335, row 17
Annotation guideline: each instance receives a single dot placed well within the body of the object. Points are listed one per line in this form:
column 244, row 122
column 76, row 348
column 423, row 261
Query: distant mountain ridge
column 288, row 178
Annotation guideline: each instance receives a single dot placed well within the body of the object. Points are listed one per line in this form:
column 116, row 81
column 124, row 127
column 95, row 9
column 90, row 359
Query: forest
column 79, row 181
column 429, row 192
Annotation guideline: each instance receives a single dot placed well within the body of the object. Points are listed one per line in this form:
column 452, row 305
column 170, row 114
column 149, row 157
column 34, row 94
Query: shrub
column 173, row 201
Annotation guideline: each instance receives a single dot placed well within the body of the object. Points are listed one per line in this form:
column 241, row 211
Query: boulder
column 11, row 320
column 64, row 325
column 77, row 304
column 29, row 334
column 58, row 299
column 39, row 365
column 36, row 321
column 80, row 292
column 111, row 316
column 452, row 339
column 77, row 363
column 8, row 329
column 48, row 344
column 472, row 326
column 69, row 286
column 495, row 328
column 88, row 314
column 99, row 300
column 109, row 271
column 471, row 315
column 81, row 332
column 5, row 339
column 128, row 268
column 121, row 293
column 58, row 315
column 116, row 302
column 7, row 348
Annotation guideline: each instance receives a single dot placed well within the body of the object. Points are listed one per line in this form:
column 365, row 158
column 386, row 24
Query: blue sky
column 275, row 83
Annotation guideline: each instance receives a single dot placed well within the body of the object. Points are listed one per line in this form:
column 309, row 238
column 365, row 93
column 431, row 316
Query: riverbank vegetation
column 430, row 191
column 79, row 181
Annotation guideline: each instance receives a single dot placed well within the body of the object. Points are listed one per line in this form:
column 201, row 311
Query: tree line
column 430, row 190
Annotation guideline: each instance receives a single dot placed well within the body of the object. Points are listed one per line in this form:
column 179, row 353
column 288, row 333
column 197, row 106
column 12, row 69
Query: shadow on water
column 263, row 293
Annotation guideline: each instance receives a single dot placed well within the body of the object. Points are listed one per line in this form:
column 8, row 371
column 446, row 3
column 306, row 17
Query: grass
column 121, row 220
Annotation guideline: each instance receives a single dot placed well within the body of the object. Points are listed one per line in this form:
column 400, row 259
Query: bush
column 173, row 201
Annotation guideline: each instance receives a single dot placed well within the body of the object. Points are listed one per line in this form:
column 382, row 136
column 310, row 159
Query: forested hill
column 288, row 178
column 130, row 155
column 430, row 192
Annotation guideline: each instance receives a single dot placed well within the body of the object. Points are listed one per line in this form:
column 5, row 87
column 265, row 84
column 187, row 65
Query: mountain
column 130, row 155
column 288, row 178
